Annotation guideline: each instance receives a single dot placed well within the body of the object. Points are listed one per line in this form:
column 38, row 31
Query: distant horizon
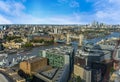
column 59, row 11
column 56, row 24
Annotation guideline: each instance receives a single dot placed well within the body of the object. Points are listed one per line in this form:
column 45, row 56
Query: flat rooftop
column 32, row 60
column 52, row 75
column 63, row 50
column 49, row 73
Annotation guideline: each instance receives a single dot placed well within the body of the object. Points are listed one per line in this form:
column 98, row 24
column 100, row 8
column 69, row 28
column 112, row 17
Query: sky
column 59, row 11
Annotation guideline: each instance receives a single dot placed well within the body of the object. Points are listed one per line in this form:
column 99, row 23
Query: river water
column 33, row 52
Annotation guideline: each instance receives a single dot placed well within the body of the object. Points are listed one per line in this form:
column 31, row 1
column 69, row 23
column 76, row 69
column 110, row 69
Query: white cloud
column 11, row 7
column 106, row 11
column 63, row 20
column 27, row 19
column 114, row 1
column 74, row 4
column 15, row 11
column 4, row 7
column 70, row 3
column 16, row 14
column 3, row 20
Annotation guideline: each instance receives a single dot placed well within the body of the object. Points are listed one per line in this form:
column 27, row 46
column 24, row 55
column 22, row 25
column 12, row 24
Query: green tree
column 8, row 38
column 78, row 79
column 27, row 45
column 18, row 40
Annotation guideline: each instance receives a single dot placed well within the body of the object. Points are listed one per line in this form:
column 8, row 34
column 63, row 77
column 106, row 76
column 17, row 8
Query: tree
column 18, row 40
column 78, row 79
column 27, row 45
column 8, row 38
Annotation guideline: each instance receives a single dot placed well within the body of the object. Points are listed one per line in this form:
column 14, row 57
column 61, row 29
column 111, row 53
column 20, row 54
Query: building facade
column 33, row 64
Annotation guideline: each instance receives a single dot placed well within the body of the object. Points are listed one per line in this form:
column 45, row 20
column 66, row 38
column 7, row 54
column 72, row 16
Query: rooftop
column 32, row 60
column 50, row 73
column 63, row 50
column 17, row 77
column 53, row 74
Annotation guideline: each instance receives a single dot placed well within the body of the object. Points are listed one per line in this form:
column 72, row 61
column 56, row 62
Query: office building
column 32, row 65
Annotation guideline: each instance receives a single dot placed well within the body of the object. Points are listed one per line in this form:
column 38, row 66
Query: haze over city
column 59, row 11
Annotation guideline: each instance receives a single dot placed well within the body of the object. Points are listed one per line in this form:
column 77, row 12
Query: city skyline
column 59, row 11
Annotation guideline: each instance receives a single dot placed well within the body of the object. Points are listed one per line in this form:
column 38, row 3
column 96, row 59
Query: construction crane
column 114, row 62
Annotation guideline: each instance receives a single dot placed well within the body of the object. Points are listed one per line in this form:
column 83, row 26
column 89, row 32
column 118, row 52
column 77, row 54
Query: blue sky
column 59, row 11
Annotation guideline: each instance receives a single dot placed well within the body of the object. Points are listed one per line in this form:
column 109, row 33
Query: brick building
column 33, row 65
column 43, row 37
